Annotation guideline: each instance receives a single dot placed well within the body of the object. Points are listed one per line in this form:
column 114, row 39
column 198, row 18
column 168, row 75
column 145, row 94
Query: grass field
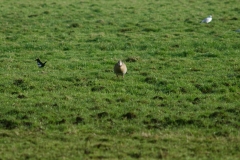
column 178, row 100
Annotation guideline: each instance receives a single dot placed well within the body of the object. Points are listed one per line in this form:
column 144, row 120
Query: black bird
column 39, row 63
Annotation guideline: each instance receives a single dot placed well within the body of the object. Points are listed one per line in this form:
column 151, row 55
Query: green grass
column 179, row 99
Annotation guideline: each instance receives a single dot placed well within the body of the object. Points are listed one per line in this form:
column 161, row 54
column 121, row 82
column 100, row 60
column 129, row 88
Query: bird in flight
column 207, row 20
column 39, row 63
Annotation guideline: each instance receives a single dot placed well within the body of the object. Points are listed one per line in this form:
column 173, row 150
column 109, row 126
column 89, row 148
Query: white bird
column 207, row 20
column 120, row 69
